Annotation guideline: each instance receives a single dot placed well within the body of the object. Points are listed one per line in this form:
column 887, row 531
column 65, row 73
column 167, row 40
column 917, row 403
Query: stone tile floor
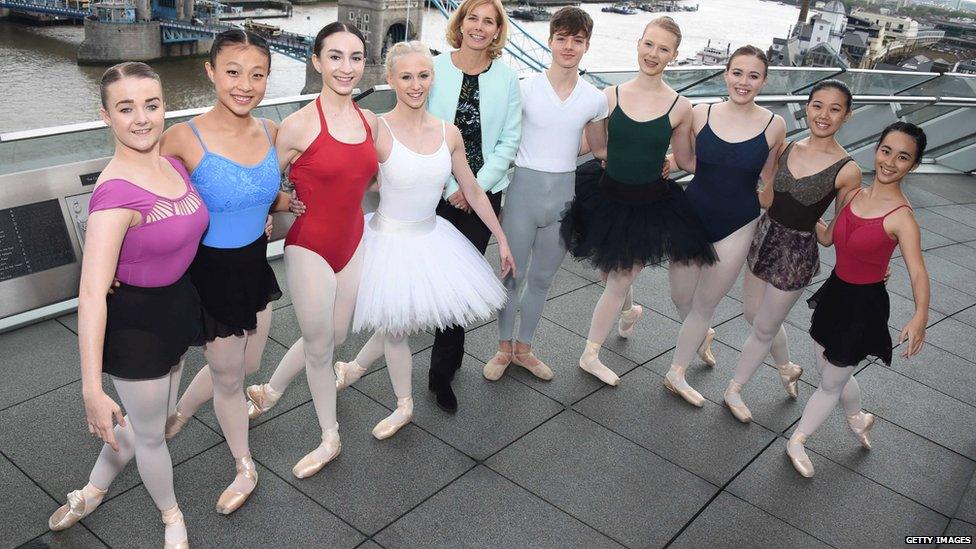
column 566, row 463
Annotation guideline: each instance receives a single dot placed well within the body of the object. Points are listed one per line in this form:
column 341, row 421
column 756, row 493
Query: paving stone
column 557, row 347
column 967, row 506
column 69, row 321
column 731, row 522
column 37, row 359
column 957, row 212
column 960, row 528
column 495, row 513
column 900, row 460
column 920, row 409
column 943, row 226
column 654, row 334
column 278, row 265
column 837, row 505
column 960, row 254
column 604, row 480
column 132, row 519
column 924, row 190
column 967, row 316
column 491, row 414
column 942, row 371
column 771, row 407
column 954, row 336
column 951, row 274
column 580, row 268
column 26, row 509
column 707, row 441
column 945, row 299
column 53, row 426
column 372, row 482
column 76, row 537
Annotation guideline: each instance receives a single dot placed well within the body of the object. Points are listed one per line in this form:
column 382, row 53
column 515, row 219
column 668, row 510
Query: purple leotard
column 158, row 251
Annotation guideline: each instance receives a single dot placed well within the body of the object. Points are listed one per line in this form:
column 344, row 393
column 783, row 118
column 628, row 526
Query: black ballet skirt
column 850, row 321
column 234, row 284
column 148, row 330
column 616, row 225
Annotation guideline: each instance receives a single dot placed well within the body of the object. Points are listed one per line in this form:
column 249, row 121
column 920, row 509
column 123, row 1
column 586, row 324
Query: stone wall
column 113, row 43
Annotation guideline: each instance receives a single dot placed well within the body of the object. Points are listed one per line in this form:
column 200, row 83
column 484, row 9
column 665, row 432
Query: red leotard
column 331, row 178
column 863, row 247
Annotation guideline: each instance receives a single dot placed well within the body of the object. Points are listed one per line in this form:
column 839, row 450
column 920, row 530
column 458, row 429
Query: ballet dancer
column 784, row 255
column 332, row 161
column 735, row 144
column 144, row 226
column 419, row 272
column 850, row 310
column 480, row 93
column 557, row 106
column 233, row 164
column 628, row 218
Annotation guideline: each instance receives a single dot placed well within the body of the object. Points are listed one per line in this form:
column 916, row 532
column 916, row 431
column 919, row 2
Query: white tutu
column 422, row 275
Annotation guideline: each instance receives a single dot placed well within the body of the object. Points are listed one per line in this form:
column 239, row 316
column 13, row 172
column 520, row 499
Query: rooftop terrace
column 568, row 463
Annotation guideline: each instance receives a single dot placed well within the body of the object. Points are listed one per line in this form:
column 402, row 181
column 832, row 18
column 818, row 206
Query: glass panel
column 947, row 85
column 380, row 101
column 606, row 79
column 782, row 81
column 951, row 147
column 41, row 152
column 926, row 113
column 882, row 83
column 682, row 78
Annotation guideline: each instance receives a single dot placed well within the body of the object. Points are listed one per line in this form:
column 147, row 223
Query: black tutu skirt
column 148, row 330
column 615, row 225
column 234, row 284
column 850, row 321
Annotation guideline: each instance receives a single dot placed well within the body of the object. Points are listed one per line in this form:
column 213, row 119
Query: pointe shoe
column 395, row 421
column 173, row 518
column 674, row 380
column 590, row 363
column 231, row 500
column 861, row 425
column 347, row 373
column 312, row 463
column 539, row 369
column 260, row 399
column 740, row 411
column 705, row 349
column 801, row 462
column 175, row 424
column 789, row 373
column 628, row 319
column 495, row 368
column 77, row 508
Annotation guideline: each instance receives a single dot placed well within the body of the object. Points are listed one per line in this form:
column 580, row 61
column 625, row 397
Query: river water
column 41, row 85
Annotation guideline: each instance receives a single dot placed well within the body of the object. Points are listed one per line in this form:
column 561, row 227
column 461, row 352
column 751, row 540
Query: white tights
column 697, row 290
column 837, row 383
column 201, row 389
column 324, row 302
column 766, row 307
column 147, row 403
column 617, row 296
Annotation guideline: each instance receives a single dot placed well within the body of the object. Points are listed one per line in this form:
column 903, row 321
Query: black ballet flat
column 444, row 394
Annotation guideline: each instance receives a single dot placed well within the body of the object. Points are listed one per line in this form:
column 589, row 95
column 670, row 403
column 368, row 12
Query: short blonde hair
column 453, row 31
column 667, row 24
column 401, row 49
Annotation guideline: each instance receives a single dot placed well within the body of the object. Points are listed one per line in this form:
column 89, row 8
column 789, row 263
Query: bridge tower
column 383, row 23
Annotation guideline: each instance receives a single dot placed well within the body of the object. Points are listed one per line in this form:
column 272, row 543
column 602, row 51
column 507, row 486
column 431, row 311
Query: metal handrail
column 859, row 100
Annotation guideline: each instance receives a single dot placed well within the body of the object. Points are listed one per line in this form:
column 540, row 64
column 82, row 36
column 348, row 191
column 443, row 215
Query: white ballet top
column 411, row 183
column 552, row 129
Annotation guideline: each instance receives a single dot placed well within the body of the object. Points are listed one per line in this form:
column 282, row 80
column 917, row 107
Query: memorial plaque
column 33, row 238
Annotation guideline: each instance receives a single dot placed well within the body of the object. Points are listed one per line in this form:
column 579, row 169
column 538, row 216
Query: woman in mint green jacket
column 476, row 91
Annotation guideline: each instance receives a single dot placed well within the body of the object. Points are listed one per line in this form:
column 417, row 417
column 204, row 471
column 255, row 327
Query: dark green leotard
column 635, row 150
